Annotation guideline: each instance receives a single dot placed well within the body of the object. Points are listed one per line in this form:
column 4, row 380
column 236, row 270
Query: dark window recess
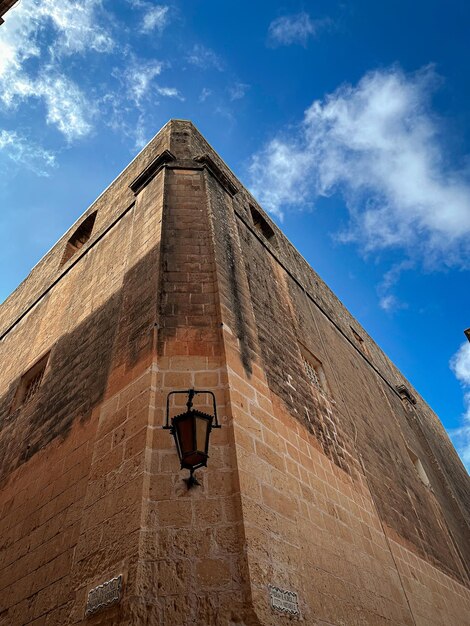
column 262, row 226
column 79, row 238
column 359, row 341
column 30, row 383
column 405, row 394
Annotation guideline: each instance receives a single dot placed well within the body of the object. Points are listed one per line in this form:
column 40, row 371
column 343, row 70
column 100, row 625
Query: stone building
column 332, row 494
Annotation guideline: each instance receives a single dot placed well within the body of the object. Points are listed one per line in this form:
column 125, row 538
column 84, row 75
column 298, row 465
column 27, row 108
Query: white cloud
column 139, row 78
column 387, row 300
column 390, row 303
column 238, row 90
column 205, row 58
column 155, row 18
column 460, row 365
column 140, row 84
column 76, row 29
column 67, row 107
column 461, row 436
column 140, row 135
column 170, row 92
column 22, row 151
column 290, row 29
column 279, row 175
column 377, row 144
column 77, row 25
column 205, row 93
column 139, row 90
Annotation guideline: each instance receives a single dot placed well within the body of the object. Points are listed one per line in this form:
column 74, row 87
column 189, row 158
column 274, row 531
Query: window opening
column 314, row 370
column 262, row 226
column 405, row 394
column 30, row 383
column 311, row 373
column 360, row 341
column 79, row 238
column 418, row 467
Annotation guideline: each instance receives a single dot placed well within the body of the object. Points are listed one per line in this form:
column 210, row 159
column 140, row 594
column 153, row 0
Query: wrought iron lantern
column 191, row 431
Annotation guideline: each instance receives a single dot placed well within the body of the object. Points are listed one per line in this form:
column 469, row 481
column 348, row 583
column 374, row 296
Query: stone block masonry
column 330, row 481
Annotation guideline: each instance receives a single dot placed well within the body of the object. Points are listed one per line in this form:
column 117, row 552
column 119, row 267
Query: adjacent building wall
column 5, row 5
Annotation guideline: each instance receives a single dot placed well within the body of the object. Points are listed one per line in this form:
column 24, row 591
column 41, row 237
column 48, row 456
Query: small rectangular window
column 418, row 467
column 312, row 373
column 30, row 383
column 262, row 226
column 405, row 394
column 79, row 238
column 360, row 341
column 314, row 370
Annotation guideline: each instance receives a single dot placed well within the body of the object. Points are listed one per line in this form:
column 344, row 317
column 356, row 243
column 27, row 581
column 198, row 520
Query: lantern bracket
column 191, row 481
column 190, row 393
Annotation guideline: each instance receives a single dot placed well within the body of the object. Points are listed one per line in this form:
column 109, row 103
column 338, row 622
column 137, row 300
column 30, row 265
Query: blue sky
column 348, row 121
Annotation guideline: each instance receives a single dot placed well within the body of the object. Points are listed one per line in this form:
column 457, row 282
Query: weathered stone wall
column 332, row 504
column 90, row 482
column 66, row 488
column 308, row 488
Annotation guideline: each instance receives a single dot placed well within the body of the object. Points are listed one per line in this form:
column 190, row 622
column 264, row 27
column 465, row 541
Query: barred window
column 30, row 383
column 314, row 370
column 33, row 385
column 311, row 372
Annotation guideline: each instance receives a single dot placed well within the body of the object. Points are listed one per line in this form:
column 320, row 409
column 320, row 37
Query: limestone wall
column 313, row 483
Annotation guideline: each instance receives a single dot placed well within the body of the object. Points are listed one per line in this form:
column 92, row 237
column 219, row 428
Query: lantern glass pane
column 185, row 435
column 191, row 432
column 202, row 424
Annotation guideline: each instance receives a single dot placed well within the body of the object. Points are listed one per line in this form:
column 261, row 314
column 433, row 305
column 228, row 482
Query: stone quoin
column 332, row 494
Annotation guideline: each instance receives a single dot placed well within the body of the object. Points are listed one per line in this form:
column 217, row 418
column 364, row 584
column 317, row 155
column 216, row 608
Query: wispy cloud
column 139, row 78
column 377, row 144
column 140, row 89
column 205, row 93
column 205, row 58
column 460, row 365
column 294, row 29
column 77, row 24
column 77, row 30
column 22, row 151
column 387, row 300
column 170, row 92
column 238, row 90
column 155, row 19
column 139, row 81
column 67, row 107
column 140, row 134
column 390, row 303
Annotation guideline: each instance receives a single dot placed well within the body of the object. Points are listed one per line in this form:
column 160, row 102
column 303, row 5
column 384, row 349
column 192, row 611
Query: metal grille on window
column 311, row 373
column 30, row 383
column 33, row 385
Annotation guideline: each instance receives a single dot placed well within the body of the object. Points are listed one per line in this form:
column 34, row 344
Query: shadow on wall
column 119, row 333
